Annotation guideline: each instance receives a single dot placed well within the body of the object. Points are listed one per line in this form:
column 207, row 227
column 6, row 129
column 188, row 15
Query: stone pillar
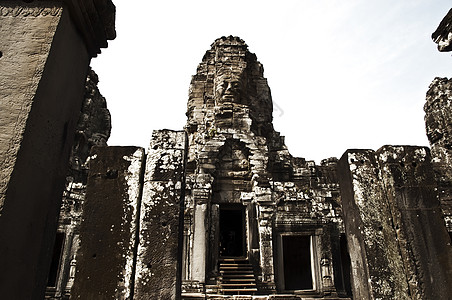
column 200, row 263
column 265, row 228
column 199, row 243
column 105, row 260
column 326, row 261
column 44, row 56
column 158, row 271
column 377, row 268
column 408, row 176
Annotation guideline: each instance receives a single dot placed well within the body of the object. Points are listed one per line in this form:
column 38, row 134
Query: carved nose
column 229, row 87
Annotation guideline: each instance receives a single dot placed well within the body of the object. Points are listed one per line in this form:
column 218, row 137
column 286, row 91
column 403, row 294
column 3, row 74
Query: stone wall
column 108, row 234
column 395, row 230
column 159, row 252
column 44, row 62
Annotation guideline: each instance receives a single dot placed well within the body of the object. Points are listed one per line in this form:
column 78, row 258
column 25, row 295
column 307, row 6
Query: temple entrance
column 232, row 233
column 297, row 262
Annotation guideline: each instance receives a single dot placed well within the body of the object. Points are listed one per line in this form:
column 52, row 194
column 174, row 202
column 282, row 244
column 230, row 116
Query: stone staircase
column 236, row 277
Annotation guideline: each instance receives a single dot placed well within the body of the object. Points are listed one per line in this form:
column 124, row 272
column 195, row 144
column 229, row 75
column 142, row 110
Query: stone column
column 199, row 243
column 326, row 261
column 265, row 228
column 44, row 56
column 105, row 260
column 159, row 266
column 377, row 268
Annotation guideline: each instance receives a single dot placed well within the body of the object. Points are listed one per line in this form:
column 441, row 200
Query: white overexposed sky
column 343, row 73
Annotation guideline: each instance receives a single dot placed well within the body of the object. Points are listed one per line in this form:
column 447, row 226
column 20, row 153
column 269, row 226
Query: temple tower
column 238, row 176
column 229, row 133
column 225, row 204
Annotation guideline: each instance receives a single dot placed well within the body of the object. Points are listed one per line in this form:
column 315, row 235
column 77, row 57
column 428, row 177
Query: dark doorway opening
column 232, row 237
column 56, row 257
column 346, row 263
column 297, row 262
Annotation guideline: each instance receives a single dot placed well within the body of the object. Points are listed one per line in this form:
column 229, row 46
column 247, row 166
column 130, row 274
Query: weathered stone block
column 158, row 268
column 110, row 218
column 408, row 176
column 377, row 268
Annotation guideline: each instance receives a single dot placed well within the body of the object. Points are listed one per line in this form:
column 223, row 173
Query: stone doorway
column 297, row 262
column 232, row 232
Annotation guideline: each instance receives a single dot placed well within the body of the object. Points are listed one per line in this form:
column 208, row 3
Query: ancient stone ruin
column 220, row 209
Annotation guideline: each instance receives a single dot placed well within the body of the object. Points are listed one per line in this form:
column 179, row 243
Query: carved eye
column 235, row 85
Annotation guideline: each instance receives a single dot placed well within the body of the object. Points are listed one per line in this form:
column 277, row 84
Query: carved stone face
column 234, row 163
column 228, row 89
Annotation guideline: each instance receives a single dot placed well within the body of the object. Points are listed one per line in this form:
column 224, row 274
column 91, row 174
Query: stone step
column 232, row 272
column 238, row 285
column 230, row 264
column 236, row 277
column 250, row 290
column 234, row 260
column 248, row 279
column 236, row 268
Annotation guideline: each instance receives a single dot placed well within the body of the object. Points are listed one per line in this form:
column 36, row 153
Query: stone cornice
column 94, row 19
column 443, row 34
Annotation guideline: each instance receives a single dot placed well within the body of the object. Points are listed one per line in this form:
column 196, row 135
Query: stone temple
column 219, row 209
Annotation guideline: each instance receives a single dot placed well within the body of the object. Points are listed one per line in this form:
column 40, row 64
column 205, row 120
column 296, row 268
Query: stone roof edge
column 95, row 20
column 443, row 34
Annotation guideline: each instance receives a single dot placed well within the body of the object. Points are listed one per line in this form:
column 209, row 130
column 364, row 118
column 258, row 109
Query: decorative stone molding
column 95, row 19
column 29, row 11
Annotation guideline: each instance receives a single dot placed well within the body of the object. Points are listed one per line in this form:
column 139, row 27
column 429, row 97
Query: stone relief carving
column 30, row 11
column 228, row 89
